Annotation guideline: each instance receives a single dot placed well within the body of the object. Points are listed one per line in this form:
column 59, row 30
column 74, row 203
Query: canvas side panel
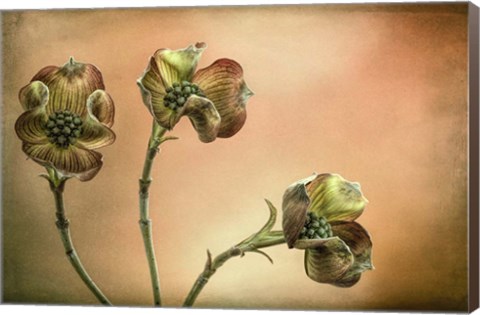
column 474, row 156
column 1, row 160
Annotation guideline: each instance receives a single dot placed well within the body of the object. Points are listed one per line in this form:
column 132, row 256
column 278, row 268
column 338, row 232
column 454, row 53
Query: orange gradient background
column 375, row 93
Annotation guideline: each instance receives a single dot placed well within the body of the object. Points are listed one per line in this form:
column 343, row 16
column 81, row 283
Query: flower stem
column 145, row 221
column 63, row 227
column 211, row 266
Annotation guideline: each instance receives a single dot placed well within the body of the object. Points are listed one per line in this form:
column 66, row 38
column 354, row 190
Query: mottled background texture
column 375, row 93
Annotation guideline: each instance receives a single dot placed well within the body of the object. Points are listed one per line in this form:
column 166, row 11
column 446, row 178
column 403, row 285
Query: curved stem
column 211, row 266
column 63, row 227
column 145, row 222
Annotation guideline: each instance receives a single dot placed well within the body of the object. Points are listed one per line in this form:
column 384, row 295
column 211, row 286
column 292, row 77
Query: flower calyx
column 55, row 179
column 265, row 237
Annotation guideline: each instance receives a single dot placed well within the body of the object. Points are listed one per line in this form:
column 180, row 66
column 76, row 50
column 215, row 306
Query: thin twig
column 211, row 266
column 145, row 221
column 63, row 227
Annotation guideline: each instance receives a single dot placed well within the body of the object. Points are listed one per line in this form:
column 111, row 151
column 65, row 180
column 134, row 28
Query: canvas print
column 305, row 157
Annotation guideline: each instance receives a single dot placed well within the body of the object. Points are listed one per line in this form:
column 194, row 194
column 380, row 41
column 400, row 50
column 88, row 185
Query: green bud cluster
column 178, row 94
column 63, row 128
column 315, row 227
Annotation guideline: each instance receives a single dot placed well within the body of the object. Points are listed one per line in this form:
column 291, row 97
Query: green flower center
column 178, row 93
column 63, row 128
column 315, row 227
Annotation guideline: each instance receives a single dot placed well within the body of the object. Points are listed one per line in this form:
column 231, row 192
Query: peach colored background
column 375, row 93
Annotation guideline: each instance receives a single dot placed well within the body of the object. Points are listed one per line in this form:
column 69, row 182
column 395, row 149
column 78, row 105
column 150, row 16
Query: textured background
column 375, row 93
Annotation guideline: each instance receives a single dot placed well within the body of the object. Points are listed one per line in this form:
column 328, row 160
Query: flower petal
column 73, row 161
column 153, row 92
column 311, row 243
column 203, row 116
column 335, row 198
column 95, row 134
column 347, row 281
column 294, row 206
column 33, row 95
column 151, row 85
column 223, row 83
column 30, row 125
column 178, row 65
column 101, row 106
column 70, row 85
column 327, row 262
column 359, row 242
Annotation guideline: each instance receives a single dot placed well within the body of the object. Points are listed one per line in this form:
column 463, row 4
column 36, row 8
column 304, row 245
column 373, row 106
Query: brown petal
column 33, row 95
column 73, row 161
column 70, row 85
column 359, row 242
column 203, row 116
column 348, row 281
column 312, row 243
column 223, row 83
column 294, row 206
column 327, row 262
column 30, row 125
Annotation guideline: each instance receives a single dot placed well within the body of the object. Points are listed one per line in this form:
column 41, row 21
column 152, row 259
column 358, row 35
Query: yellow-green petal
column 178, row 65
column 35, row 94
column 335, row 198
column 223, row 84
column 203, row 116
column 30, row 125
column 101, row 106
column 327, row 262
column 73, row 161
column 95, row 134
column 153, row 92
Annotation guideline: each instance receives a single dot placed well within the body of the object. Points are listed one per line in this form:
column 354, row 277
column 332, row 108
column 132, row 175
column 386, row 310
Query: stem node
column 144, row 185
